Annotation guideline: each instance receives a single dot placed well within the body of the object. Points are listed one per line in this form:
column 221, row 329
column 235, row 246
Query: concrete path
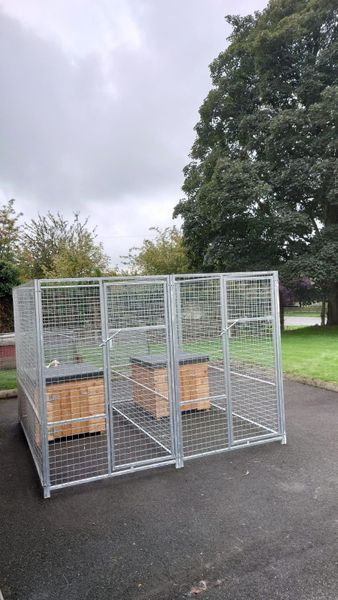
column 304, row 321
column 254, row 524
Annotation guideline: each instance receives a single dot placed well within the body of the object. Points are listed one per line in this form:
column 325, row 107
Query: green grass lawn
column 301, row 313
column 7, row 379
column 239, row 351
column 311, row 352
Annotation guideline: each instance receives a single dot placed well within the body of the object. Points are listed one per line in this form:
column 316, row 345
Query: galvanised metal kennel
column 128, row 373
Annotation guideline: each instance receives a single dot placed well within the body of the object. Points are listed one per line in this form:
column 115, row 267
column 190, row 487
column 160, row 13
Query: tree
column 54, row 247
column 9, row 232
column 321, row 260
column 9, row 275
column 163, row 255
column 9, row 278
column 261, row 188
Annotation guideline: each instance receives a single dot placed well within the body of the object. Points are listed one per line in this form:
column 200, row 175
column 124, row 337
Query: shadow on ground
column 254, row 524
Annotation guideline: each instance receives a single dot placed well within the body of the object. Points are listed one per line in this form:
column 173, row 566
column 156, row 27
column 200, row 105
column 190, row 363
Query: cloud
column 98, row 105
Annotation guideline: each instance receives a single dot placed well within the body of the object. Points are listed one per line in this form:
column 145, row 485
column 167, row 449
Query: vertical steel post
column 42, row 389
column 278, row 357
column 106, row 375
column 171, row 389
column 226, row 356
column 179, row 315
column 174, row 371
column 16, row 329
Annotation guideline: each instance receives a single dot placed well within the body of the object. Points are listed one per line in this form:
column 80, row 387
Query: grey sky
column 98, row 104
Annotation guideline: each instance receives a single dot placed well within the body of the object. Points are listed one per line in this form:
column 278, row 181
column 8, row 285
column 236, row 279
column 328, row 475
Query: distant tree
column 9, row 274
column 301, row 290
column 321, row 261
column 9, row 278
column 261, row 189
column 52, row 246
column 286, row 298
column 9, row 232
column 163, row 255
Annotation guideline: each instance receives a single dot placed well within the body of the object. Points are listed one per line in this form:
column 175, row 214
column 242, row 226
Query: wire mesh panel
column 74, row 383
column 200, row 360
column 250, row 343
column 27, row 365
column 140, row 390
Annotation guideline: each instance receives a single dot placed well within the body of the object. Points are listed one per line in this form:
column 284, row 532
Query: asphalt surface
column 258, row 523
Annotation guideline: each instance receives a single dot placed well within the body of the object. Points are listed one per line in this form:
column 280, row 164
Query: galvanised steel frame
column 146, row 371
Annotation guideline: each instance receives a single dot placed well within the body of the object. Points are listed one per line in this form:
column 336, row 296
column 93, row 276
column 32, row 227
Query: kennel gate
column 124, row 374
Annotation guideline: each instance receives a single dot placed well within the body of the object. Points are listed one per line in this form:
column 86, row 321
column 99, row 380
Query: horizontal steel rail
column 133, row 278
column 257, row 442
column 31, row 402
column 37, row 466
column 261, row 436
column 140, row 428
column 244, row 376
column 251, row 319
column 255, row 423
column 153, row 391
column 138, row 328
column 134, row 469
column 76, row 420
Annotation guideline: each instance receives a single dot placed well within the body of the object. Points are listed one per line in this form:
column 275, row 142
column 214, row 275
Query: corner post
column 174, row 375
column 226, row 356
column 42, row 389
column 107, row 375
column 278, row 357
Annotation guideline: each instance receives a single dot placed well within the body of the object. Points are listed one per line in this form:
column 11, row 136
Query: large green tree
column 261, row 190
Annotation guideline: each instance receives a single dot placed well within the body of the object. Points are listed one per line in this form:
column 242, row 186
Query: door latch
column 104, row 342
column 229, row 327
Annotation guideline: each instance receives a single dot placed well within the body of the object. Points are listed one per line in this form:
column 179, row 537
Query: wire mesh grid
column 202, row 381
column 252, row 357
column 138, row 352
column 124, row 374
column 27, row 370
column 74, row 382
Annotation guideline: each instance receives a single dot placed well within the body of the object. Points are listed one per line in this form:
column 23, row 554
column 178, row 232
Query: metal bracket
column 104, row 342
column 229, row 327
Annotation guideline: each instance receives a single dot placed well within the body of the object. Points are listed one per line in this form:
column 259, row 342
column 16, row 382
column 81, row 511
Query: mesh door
column 250, row 341
column 27, row 370
column 74, row 383
column 139, row 387
column 200, row 362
